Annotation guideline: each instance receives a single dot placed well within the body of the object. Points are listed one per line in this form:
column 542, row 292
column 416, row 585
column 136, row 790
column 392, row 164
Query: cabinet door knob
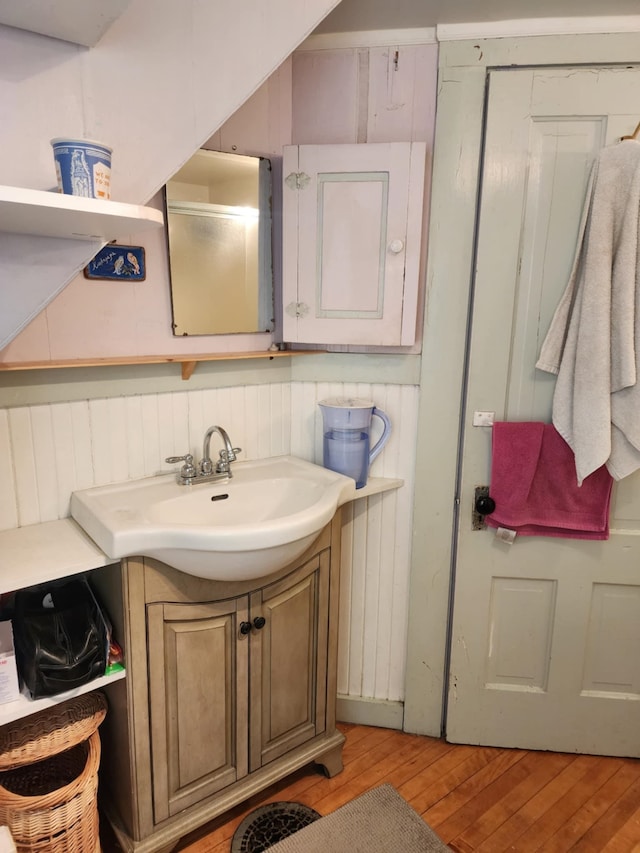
column 396, row 246
column 259, row 622
column 245, row 627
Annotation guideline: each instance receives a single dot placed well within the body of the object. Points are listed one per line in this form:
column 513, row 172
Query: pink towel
column 533, row 483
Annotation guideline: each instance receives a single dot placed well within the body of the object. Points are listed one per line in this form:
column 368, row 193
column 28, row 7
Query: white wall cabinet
column 352, row 225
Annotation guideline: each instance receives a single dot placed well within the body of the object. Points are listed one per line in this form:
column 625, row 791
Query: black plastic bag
column 60, row 637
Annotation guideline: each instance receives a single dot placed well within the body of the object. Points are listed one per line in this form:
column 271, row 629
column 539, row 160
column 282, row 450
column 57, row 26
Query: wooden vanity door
column 198, row 701
column 288, row 665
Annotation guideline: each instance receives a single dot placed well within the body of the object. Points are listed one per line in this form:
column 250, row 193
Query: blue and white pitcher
column 346, row 436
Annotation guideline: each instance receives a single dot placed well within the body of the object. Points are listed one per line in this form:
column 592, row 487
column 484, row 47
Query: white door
column 352, row 223
column 546, row 632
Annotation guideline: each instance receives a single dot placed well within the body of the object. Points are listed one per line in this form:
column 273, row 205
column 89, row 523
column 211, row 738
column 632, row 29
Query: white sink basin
column 258, row 521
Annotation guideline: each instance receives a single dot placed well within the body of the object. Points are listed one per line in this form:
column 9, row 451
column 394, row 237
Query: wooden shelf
column 52, row 214
column 188, row 362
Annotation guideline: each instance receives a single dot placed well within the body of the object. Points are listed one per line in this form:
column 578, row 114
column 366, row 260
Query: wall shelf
column 52, row 214
column 36, row 554
column 24, row 705
column 187, row 363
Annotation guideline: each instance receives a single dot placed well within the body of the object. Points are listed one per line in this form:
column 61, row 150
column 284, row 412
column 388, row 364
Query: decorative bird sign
column 134, row 262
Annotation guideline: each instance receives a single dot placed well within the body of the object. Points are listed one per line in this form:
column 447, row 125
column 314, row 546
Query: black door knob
column 485, row 505
column 245, row 627
column 259, row 622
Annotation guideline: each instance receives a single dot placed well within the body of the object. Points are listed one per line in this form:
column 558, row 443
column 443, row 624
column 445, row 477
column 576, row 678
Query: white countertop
column 55, row 549
column 377, row 485
column 44, row 552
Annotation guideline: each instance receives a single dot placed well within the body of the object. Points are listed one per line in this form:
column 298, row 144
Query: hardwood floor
column 475, row 798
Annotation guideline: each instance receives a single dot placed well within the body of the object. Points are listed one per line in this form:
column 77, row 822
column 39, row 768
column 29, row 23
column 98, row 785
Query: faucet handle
column 188, row 469
column 230, row 455
column 172, row 460
column 225, row 459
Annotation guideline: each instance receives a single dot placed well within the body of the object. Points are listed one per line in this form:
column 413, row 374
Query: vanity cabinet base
column 231, row 687
column 326, row 752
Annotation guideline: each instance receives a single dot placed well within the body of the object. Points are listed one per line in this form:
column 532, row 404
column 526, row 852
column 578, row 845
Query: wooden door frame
column 462, row 76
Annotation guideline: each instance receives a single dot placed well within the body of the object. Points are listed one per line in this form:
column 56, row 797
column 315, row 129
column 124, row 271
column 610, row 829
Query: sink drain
column 269, row 824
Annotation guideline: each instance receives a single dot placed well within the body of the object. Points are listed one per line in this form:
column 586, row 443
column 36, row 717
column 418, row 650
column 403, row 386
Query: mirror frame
column 265, row 290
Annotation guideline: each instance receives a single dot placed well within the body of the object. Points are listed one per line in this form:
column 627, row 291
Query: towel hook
column 635, row 133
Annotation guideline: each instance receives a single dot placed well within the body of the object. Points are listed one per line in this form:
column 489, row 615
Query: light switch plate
column 483, row 419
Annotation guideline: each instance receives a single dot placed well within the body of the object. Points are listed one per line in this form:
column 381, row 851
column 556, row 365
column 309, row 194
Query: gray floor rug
column 379, row 821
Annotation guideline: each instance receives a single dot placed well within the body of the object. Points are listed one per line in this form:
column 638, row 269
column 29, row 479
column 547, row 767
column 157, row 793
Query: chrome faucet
column 205, row 472
column 226, row 457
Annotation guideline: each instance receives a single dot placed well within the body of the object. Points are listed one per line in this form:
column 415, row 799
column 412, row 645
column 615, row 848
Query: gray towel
column 595, row 332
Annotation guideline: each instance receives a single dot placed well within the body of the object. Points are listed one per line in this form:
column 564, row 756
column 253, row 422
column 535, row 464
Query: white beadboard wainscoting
column 376, row 552
column 47, row 451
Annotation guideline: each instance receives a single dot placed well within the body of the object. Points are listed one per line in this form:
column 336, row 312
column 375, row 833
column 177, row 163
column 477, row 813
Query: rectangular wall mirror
column 218, row 213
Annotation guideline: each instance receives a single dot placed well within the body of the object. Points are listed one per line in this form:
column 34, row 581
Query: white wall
column 97, row 319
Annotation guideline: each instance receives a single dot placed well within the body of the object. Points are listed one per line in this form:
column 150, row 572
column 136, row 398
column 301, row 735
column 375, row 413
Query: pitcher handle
column 380, row 443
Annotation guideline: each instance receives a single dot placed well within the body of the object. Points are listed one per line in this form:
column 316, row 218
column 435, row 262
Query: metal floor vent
column 269, row 824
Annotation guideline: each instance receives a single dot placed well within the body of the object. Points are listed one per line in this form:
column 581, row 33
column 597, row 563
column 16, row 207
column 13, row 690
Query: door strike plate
column 477, row 519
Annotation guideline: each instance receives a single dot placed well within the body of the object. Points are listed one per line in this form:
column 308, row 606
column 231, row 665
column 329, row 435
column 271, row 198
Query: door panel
column 614, row 624
column 289, row 661
column 352, row 222
column 521, row 627
column 544, row 631
column 196, row 711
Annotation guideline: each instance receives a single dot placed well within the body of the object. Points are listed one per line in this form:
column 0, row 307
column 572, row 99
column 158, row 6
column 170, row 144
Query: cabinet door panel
column 198, row 672
column 288, row 661
column 352, row 219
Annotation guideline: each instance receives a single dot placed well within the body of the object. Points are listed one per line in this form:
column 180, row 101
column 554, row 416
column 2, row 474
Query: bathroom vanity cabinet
column 230, row 687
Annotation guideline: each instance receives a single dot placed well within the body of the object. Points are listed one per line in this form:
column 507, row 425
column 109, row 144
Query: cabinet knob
column 259, row 622
column 396, row 246
column 245, row 627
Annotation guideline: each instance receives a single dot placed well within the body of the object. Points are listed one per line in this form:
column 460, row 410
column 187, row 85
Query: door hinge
column 297, row 180
column 297, row 309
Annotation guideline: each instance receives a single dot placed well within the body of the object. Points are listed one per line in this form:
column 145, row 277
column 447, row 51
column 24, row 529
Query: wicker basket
column 53, row 730
column 62, row 815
